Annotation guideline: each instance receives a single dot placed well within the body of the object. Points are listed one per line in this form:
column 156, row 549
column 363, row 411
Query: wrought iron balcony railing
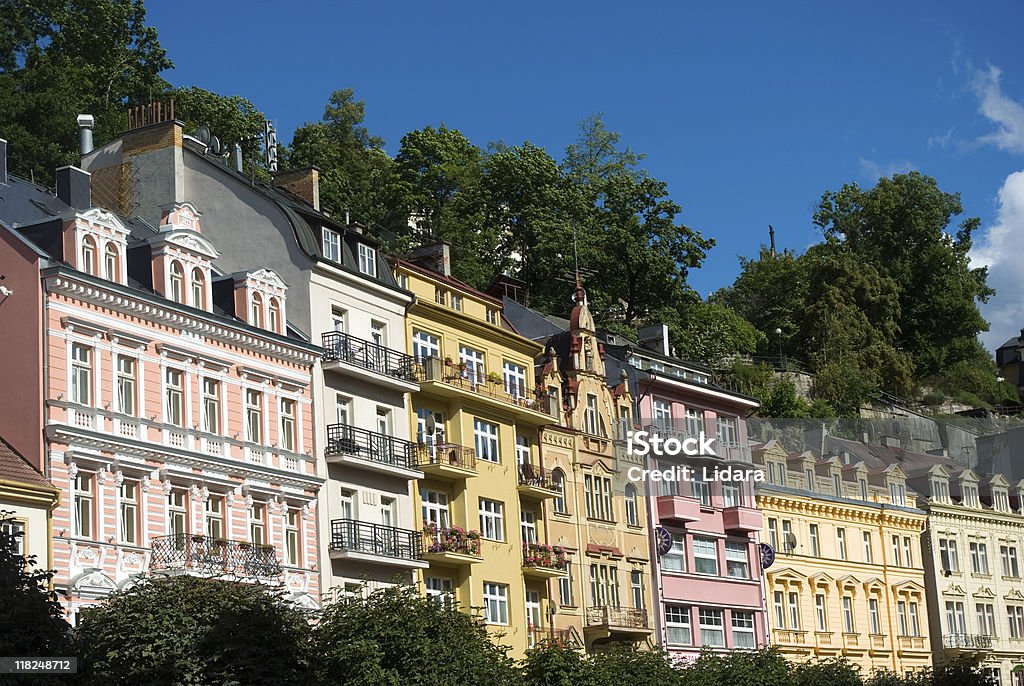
column 506, row 390
column 535, row 475
column 368, row 355
column 214, row 556
column 450, row 454
column 626, row 617
column 343, row 439
column 982, row 641
column 376, row 539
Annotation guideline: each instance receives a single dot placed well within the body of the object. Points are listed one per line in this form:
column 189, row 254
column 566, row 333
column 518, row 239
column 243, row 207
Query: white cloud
column 1004, row 112
column 999, row 251
column 872, row 171
column 942, row 141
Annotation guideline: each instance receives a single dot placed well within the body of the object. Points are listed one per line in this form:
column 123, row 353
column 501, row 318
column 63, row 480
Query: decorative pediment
column 954, row 589
column 100, row 216
column 786, row 576
column 968, row 476
column 874, row 584
column 191, row 241
column 303, row 601
column 984, row 592
column 908, row 586
column 847, row 581
column 820, row 579
column 1014, row 595
column 268, row 277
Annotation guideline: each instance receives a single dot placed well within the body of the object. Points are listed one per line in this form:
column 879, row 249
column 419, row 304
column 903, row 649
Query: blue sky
column 748, row 110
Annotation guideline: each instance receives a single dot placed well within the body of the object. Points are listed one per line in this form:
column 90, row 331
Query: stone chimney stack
column 304, row 183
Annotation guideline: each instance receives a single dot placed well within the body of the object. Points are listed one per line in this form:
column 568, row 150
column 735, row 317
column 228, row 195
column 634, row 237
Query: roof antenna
column 581, row 295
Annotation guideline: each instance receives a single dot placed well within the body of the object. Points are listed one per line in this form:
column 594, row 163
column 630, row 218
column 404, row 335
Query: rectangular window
column 495, row 603
column 700, row 488
column 440, row 296
column 515, row 380
column 128, row 521
column 1016, row 617
column 215, row 517
column 788, row 539
column 736, row 562
column 288, row 424
column 590, row 416
column 177, row 513
column 675, row 559
column 815, row 550
column 474, row 365
column 780, row 610
column 773, row 533
column 253, row 416
column 565, row 598
column 528, row 526
column 897, row 494
column 730, row 494
column 636, row 585
column 956, row 622
column 522, row 450
column 677, row 624
column 915, row 626
column 705, row 556
column 16, row 532
column 876, row 625
column 694, row 422
column 979, row 557
column 901, row 618
column 848, row 614
column 896, row 551
column 908, row 552
column 257, row 523
column 604, row 585
column 425, row 345
column 837, row 485
column 662, row 415
column 486, row 436
column 863, row 488
column 712, row 628
column 743, row 630
column 434, row 508
column 794, row 610
column 492, row 316
column 83, row 505
column 439, row 590
column 367, row 260
column 174, row 404
column 211, row 406
column 492, row 520
column 820, row 613
column 291, row 538
column 331, row 243
column 126, row 385
column 1008, row 554
column 948, row 555
column 456, row 302
column 727, row 431
column 986, row 619
column 841, row 543
column 81, row 374
column 809, row 476
column 867, row 547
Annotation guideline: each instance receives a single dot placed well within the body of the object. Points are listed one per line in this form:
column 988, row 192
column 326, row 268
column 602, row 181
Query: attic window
column 275, row 316
column 110, row 262
column 256, row 319
column 177, row 282
column 492, row 316
column 88, row 255
column 897, row 493
column 940, row 490
column 367, row 260
column 1000, row 500
column 331, row 245
column 198, row 289
column 970, row 496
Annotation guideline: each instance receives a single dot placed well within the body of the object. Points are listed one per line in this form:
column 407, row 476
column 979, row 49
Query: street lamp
column 778, row 332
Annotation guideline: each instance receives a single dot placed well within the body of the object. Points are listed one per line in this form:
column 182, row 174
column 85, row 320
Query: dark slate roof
column 532, row 324
column 23, row 202
column 14, row 467
column 880, row 456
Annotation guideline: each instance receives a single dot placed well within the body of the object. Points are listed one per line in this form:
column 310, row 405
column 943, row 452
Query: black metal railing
column 534, row 475
column 343, row 439
column 626, row 617
column 368, row 355
column 490, row 385
column 376, row 539
column 450, row 454
column 214, row 556
column 966, row 641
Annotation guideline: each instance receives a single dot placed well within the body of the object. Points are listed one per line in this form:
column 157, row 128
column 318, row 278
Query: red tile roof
column 14, row 467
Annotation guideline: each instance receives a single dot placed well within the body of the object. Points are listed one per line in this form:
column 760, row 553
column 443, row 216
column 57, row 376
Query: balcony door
column 387, row 541
column 429, row 427
column 474, row 361
column 435, row 508
column 533, row 617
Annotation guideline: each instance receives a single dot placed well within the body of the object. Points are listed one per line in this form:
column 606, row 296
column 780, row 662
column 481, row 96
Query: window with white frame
column 773, row 533
column 522, row 449
column 940, row 490
column 727, row 431
column 1000, row 500
column 291, row 538
column 1015, row 614
column 558, row 479
column 88, row 255
column 779, row 603
column 528, row 526
column 743, row 630
column 979, row 557
column 736, row 561
column 863, row 483
column 274, row 315
column 111, row 263
column 486, row 437
column 986, row 618
column 730, row 494
column 515, row 379
column 915, row 626
column 794, row 610
column 630, row 498
column 177, row 282
column 435, row 508
column 636, row 585
column 662, row 415
column 677, row 624
column 675, row 559
column 694, row 421
column 15, row 530
column 475, row 370
column 837, row 485
column 440, row 296
column 425, row 345
column 902, row 625
column 604, row 585
column 970, row 495
column 258, row 523
column 598, row 493
column 897, row 493
column 867, row 547
column 330, row 244
column 456, row 301
column 873, row 617
column 253, row 416
column 565, row 596
column 215, row 517
column 198, row 283
column 211, row 406
column 705, row 556
column 908, row 552
column 492, row 520
column 841, row 543
column 809, row 478
column 700, row 488
column 956, row 620
column 495, row 603
column 174, row 399
column 128, row 504
column 848, row 625
column 177, row 512
column 590, row 415
column 815, row 545
column 1008, row 555
column 287, row 441
column 81, row 374
column 439, row 589
column 712, row 627
column 125, row 385
column 948, row 555
column 896, row 551
column 492, row 316
column 820, row 612
column 367, row 260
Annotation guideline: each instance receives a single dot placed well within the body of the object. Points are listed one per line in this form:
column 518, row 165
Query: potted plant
column 494, row 378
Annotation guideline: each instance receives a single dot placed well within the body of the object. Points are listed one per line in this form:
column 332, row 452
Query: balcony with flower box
column 214, row 557
column 446, row 460
column 452, row 379
column 543, row 561
column 376, row 543
column 451, row 545
column 370, row 450
column 366, row 360
column 536, row 483
column 617, row 623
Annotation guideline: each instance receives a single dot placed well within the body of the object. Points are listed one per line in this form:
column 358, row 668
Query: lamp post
column 778, row 332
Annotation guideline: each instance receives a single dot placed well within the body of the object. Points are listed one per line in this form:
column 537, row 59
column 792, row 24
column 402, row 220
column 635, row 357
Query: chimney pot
column 73, row 187
column 85, row 124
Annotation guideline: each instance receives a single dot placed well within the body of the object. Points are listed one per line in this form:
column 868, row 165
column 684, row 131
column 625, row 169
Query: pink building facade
column 175, row 402
column 707, row 572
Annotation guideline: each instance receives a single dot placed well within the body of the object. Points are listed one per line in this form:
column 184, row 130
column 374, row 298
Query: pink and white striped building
column 174, row 400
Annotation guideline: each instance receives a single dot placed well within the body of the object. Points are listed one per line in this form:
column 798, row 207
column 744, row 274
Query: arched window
column 631, row 515
column 88, row 255
column 177, row 282
column 198, row 289
column 110, row 263
column 257, row 310
column 275, row 316
column 558, row 479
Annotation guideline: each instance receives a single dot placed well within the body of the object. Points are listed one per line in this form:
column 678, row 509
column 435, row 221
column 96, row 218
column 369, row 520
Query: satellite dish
column 431, row 425
column 203, row 134
column 790, row 542
column 215, row 145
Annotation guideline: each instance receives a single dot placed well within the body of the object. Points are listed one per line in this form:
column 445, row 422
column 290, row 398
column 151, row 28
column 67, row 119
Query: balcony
column 455, row 381
column 362, row 359
column 542, row 636
column 370, row 450
column 451, row 545
column 206, row 556
column 376, row 543
column 446, row 460
column 542, row 561
column 677, row 509
column 967, row 642
column 536, row 483
column 617, row 623
column 743, row 520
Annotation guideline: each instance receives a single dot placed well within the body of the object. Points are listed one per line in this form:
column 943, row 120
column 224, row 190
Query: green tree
column 395, row 637
column 631, row 667
column 63, row 58
column 187, row 630
column 31, row 620
column 232, row 118
column 709, row 333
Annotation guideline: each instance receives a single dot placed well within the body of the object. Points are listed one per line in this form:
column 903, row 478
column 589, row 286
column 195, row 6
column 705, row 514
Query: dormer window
column 863, row 483
column 88, row 255
column 940, row 490
column 198, row 289
column 1000, row 500
column 256, row 310
column 274, row 315
column 331, row 245
column 457, row 302
column 897, row 493
column 837, row 484
column 367, row 260
column 970, row 496
column 111, row 272
column 177, row 282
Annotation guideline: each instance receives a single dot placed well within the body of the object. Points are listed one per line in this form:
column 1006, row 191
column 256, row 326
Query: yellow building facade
column 848, row 577
column 476, row 419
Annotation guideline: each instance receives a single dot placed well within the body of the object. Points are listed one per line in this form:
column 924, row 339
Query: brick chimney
column 304, row 183
column 436, row 257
